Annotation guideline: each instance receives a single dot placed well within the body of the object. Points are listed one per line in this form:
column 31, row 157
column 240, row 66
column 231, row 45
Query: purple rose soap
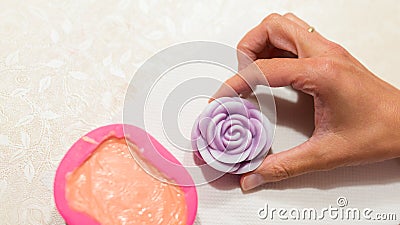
column 232, row 135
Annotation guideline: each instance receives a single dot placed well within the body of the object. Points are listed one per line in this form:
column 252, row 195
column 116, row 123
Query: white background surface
column 65, row 67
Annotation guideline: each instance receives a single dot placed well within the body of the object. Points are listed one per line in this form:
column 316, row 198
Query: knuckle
column 271, row 18
column 279, row 172
column 331, row 72
column 242, row 45
column 289, row 15
column 336, row 48
column 329, row 66
column 279, row 169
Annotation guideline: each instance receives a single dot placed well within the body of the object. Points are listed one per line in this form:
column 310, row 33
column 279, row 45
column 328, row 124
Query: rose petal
column 259, row 139
column 210, row 133
column 228, row 158
column 203, row 125
column 232, row 135
column 211, row 161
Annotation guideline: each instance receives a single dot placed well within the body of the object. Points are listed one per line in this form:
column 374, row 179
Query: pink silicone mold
column 154, row 152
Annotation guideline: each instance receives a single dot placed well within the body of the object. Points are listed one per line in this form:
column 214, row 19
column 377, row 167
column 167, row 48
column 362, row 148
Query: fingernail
column 251, row 181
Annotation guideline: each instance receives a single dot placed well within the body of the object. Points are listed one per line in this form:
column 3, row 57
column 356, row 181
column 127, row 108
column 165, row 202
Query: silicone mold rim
column 83, row 148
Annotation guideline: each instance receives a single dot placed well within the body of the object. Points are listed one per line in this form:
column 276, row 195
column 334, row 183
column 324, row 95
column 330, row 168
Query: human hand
column 357, row 115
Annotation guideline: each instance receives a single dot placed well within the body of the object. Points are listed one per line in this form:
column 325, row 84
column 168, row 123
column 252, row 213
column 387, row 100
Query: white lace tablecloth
column 65, row 67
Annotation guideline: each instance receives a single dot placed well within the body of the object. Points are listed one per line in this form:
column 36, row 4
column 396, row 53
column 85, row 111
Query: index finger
column 272, row 72
column 280, row 32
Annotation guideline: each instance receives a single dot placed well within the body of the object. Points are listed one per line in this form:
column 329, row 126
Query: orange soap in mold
column 99, row 182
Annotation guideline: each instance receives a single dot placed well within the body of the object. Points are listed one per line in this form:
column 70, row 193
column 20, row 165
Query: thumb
column 312, row 155
column 275, row 72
